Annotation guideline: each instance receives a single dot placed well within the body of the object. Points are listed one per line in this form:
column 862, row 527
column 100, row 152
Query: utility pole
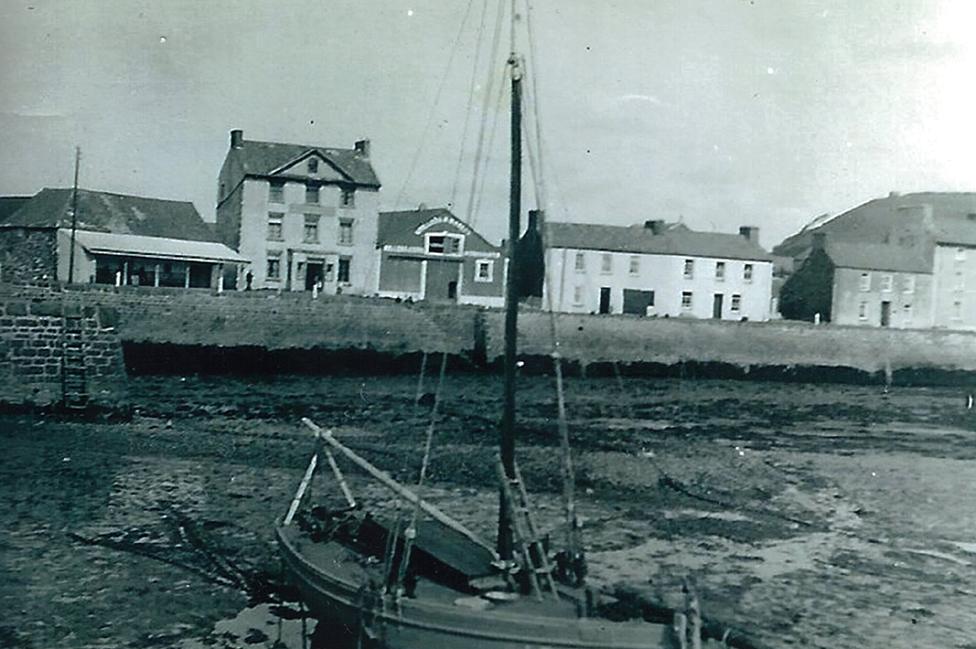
column 74, row 218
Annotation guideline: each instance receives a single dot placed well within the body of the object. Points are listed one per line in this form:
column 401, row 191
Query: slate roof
column 638, row 239
column 118, row 213
column 947, row 218
column 398, row 227
column 154, row 247
column 10, row 204
column 874, row 256
column 262, row 158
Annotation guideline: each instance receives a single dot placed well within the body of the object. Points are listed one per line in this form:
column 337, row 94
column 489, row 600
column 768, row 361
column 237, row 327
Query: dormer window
column 313, row 165
column 276, row 192
column 444, row 244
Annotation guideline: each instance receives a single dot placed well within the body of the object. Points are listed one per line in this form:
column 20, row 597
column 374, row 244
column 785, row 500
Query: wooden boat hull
column 335, row 599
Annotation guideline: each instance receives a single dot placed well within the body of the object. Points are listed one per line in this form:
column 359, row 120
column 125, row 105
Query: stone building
column 303, row 215
column 657, row 269
column 929, row 235
column 430, row 254
column 119, row 239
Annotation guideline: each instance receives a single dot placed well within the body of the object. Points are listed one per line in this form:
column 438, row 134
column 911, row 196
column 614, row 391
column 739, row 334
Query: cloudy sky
column 717, row 112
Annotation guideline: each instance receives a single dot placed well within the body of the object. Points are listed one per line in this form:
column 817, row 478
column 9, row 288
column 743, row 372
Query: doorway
column 717, row 306
column 314, row 272
column 885, row 314
column 605, row 299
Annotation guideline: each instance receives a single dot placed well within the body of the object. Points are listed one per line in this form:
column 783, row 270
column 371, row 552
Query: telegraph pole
column 74, row 218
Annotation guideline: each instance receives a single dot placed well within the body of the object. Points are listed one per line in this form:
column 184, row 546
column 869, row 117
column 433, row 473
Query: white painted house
column 657, row 270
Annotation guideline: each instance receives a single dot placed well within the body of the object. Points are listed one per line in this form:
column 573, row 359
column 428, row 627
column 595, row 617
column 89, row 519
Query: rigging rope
column 410, row 533
column 491, row 142
column 437, row 99
column 470, row 109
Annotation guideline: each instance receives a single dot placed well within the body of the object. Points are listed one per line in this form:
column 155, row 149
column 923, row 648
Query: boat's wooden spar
column 397, row 488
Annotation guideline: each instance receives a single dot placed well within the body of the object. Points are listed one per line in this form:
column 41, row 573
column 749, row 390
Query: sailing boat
column 432, row 583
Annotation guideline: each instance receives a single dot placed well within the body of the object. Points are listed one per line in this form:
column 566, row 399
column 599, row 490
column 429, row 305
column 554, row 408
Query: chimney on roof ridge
column 750, row 232
column 819, row 241
column 894, row 194
column 535, row 219
column 362, row 148
column 656, row 226
column 236, row 138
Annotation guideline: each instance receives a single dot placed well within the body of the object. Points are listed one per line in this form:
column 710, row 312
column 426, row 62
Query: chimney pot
column 236, row 138
column 656, row 226
column 535, row 217
column 894, row 194
column 750, row 232
column 362, row 147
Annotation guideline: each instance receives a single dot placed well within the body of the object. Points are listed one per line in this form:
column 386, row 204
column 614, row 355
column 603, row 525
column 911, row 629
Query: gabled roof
column 10, row 204
column 638, row 239
column 153, row 247
column 400, row 228
column 940, row 217
column 264, row 158
column 876, row 256
column 119, row 213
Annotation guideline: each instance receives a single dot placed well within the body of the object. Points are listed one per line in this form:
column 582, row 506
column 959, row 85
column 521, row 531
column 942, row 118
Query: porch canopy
column 162, row 248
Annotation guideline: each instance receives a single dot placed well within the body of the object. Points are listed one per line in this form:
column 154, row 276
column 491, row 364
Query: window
column 747, row 273
column 484, row 270
column 313, row 166
column 908, row 285
column 960, row 254
column 577, row 295
column 311, row 232
column 606, row 263
column 274, row 267
column 887, row 281
column 686, row 299
column 907, row 310
column 312, row 194
column 865, row 282
column 276, row 192
column 328, row 275
column 347, row 198
column 957, row 310
column 689, row 269
column 274, row 226
column 580, row 261
column 635, row 265
column 862, row 311
column 736, row 303
column 443, row 244
column 720, row 271
column 345, row 232
column 344, row 269
column 960, row 281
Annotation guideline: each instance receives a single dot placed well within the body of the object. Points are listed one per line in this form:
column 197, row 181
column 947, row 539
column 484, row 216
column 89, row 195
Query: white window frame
column 689, row 305
column 735, row 304
column 747, row 272
column 689, row 269
column 887, row 282
column 606, row 263
column 862, row 310
column 719, row 271
column 908, row 284
column 276, row 218
column 960, row 254
column 347, row 197
column 273, row 192
column 346, row 226
column 957, row 310
column 865, row 282
column 579, row 263
column 313, row 166
column 312, row 220
column 578, row 295
column 446, row 235
column 489, row 264
column 960, row 281
column 267, row 268
column 634, row 265
column 907, row 312
column 314, row 192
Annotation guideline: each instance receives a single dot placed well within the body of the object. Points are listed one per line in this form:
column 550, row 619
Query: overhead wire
column 437, row 99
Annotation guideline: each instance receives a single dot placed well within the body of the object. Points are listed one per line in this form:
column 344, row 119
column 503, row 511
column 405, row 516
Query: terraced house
column 657, row 269
column 305, row 216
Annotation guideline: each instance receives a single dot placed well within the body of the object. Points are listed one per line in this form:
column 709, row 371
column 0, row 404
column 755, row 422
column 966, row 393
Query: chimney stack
column 750, row 232
column 362, row 148
column 656, row 226
column 236, row 138
column 535, row 220
column 819, row 241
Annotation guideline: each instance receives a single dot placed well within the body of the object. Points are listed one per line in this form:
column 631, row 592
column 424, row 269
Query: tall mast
column 74, row 218
column 511, row 311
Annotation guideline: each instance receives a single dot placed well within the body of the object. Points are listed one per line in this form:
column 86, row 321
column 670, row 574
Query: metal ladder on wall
column 534, row 560
column 74, row 383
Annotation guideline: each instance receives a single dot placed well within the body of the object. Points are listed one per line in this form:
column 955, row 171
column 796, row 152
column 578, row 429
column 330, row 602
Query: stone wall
column 32, row 339
column 28, row 255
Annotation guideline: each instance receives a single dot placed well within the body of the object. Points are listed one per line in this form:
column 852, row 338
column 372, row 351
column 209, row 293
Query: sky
column 717, row 113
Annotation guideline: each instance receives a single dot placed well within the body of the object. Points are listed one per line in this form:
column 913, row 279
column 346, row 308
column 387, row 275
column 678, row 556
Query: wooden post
column 693, row 610
column 302, row 486
column 681, row 629
column 156, row 276
column 186, row 276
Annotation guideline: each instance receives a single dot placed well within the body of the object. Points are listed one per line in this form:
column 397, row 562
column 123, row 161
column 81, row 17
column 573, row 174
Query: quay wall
column 32, row 342
column 184, row 331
